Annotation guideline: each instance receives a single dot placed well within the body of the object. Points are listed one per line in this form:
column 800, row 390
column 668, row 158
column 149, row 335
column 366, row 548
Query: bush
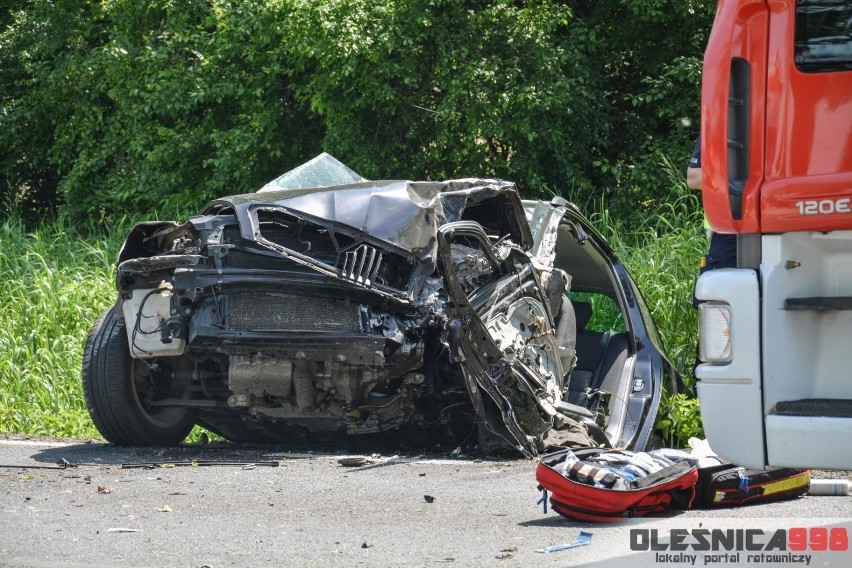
column 663, row 257
column 147, row 106
column 158, row 106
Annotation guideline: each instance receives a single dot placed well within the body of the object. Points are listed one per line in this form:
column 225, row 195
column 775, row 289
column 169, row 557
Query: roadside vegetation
column 55, row 282
column 170, row 104
column 109, row 107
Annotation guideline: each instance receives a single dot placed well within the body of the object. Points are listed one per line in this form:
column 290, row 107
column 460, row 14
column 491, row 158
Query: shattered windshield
column 323, row 171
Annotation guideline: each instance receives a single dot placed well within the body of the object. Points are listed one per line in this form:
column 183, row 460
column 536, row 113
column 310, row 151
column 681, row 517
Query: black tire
column 117, row 406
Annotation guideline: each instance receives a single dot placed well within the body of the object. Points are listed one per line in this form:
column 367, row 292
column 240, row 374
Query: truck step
column 819, row 304
column 833, row 407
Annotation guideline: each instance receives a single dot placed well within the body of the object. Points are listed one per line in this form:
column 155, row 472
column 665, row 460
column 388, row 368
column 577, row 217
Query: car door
column 502, row 334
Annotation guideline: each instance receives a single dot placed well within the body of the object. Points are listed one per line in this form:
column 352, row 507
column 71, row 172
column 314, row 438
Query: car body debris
column 61, row 463
column 354, row 461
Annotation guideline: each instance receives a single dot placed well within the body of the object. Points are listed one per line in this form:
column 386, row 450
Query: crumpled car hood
column 405, row 214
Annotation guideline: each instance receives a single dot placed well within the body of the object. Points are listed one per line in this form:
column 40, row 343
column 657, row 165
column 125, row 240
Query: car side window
column 606, row 314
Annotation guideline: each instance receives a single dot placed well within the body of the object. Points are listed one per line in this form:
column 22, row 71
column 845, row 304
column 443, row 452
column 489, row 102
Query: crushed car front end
column 340, row 305
column 320, row 310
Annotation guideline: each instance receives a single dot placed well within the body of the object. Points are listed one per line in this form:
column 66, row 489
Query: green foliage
column 663, row 257
column 606, row 313
column 649, row 55
column 445, row 89
column 56, row 282
column 149, row 108
column 54, row 286
column 678, row 420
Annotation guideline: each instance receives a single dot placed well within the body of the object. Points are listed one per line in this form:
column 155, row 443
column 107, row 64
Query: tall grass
column 663, row 256
column 53, row 285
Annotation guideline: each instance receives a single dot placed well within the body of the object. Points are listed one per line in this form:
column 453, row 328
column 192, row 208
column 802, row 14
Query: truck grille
column 288, row 312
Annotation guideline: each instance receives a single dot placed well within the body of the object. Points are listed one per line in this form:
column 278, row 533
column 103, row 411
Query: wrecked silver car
column 326, row 303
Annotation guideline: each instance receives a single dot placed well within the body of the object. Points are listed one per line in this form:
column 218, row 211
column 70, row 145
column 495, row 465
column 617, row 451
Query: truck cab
column 775, row 333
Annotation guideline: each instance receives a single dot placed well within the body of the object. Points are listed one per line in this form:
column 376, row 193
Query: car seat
column 600, row 360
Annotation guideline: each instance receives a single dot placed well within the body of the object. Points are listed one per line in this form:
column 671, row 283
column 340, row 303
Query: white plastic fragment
column 582, row 539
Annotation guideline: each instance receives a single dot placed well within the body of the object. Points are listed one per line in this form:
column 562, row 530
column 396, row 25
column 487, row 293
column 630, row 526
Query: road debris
column 165, row 509
column 104, row 490
column 582, row 539
column 506, row 553
column 122, row 530
column 61, row 463
column 428, row 498
column 155, row 465
column 354, row 461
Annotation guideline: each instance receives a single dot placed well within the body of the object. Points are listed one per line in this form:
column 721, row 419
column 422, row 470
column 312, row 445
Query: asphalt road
column 307, row 509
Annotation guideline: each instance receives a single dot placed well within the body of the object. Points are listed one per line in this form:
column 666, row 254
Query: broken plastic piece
column 582, row 539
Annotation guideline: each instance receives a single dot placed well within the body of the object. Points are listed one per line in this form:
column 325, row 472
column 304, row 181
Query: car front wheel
column 122, row 392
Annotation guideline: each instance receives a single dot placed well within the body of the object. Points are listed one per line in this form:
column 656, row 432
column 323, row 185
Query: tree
column 440, row 89
column 649, row 54
column 151, row 106
column 154, row 107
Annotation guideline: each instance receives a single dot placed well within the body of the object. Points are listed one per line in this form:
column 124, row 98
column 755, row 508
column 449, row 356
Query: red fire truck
column 775, row 378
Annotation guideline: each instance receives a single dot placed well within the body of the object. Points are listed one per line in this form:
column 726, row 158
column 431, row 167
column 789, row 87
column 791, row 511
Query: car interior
column 602, row 343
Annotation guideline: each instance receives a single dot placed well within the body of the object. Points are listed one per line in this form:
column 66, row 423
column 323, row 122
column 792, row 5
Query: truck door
column 808, row 163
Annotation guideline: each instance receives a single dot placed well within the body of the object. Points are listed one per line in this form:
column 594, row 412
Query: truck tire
column 118, row 391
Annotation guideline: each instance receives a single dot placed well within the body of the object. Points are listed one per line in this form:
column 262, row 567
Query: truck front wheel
column 122, row 392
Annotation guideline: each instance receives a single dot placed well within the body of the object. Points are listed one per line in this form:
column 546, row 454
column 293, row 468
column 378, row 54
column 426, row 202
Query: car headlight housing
column 714, row 333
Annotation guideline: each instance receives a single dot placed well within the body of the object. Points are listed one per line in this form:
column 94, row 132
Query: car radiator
column 266, row 311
